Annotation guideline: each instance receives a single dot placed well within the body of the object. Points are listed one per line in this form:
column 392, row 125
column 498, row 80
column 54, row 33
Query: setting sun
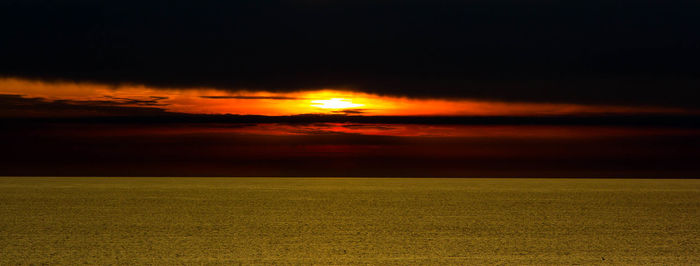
column 335, row 103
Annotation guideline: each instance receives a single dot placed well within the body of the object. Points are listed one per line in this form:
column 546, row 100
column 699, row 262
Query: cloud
column 351, row 111
column 251, row 97
column 17, row 106
column 371, row 126
column 640, row 53
column 153, row 101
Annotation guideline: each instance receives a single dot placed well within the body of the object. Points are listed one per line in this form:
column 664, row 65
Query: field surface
column 348, row 221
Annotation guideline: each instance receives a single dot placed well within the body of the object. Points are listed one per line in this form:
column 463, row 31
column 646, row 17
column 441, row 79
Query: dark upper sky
column 613, row 52
column 615, row 86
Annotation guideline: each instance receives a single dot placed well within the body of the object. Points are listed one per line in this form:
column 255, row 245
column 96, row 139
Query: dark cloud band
column 626, row 52
column 251, row 97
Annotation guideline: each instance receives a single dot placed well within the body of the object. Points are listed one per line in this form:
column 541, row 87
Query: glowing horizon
column 323, row 101
column 336, row 103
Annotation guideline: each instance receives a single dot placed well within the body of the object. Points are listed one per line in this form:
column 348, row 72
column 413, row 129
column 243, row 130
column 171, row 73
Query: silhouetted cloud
column 20, row 107
column 351, row 111
column 251, row 97
column 152, row 101
column 370, row 126
column 641, row 52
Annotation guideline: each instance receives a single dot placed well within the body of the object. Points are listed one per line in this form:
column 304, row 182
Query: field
column 348, row 221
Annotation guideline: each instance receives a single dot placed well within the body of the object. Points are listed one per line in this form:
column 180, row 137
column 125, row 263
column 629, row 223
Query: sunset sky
column 500, row 88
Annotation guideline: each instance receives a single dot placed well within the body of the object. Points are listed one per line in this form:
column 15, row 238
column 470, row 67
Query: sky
column 472, row 88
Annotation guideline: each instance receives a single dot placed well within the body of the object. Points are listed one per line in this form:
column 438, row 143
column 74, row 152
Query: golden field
column 348, row 221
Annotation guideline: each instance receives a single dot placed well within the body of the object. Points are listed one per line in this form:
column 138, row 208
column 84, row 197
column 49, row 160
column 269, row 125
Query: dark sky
column 175, row 149
column 639, row 53
column 595, row 51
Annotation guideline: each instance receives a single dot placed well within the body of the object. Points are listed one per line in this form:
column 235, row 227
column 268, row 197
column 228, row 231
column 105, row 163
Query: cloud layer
column 635, row 53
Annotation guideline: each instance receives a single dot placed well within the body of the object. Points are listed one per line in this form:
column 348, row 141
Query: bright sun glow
column 335, row 103
column 327, row 101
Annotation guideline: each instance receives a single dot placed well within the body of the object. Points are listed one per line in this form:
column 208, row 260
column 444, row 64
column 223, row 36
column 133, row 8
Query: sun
column 335, row 103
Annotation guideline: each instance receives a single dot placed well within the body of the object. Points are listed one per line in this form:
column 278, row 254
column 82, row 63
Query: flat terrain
column 348, row 220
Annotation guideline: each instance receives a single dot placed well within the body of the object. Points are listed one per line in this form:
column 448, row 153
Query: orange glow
column 396, row 130
column 335, row 103
column 326, row 101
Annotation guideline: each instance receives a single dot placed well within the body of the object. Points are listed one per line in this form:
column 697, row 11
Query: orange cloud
column 330, row 101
